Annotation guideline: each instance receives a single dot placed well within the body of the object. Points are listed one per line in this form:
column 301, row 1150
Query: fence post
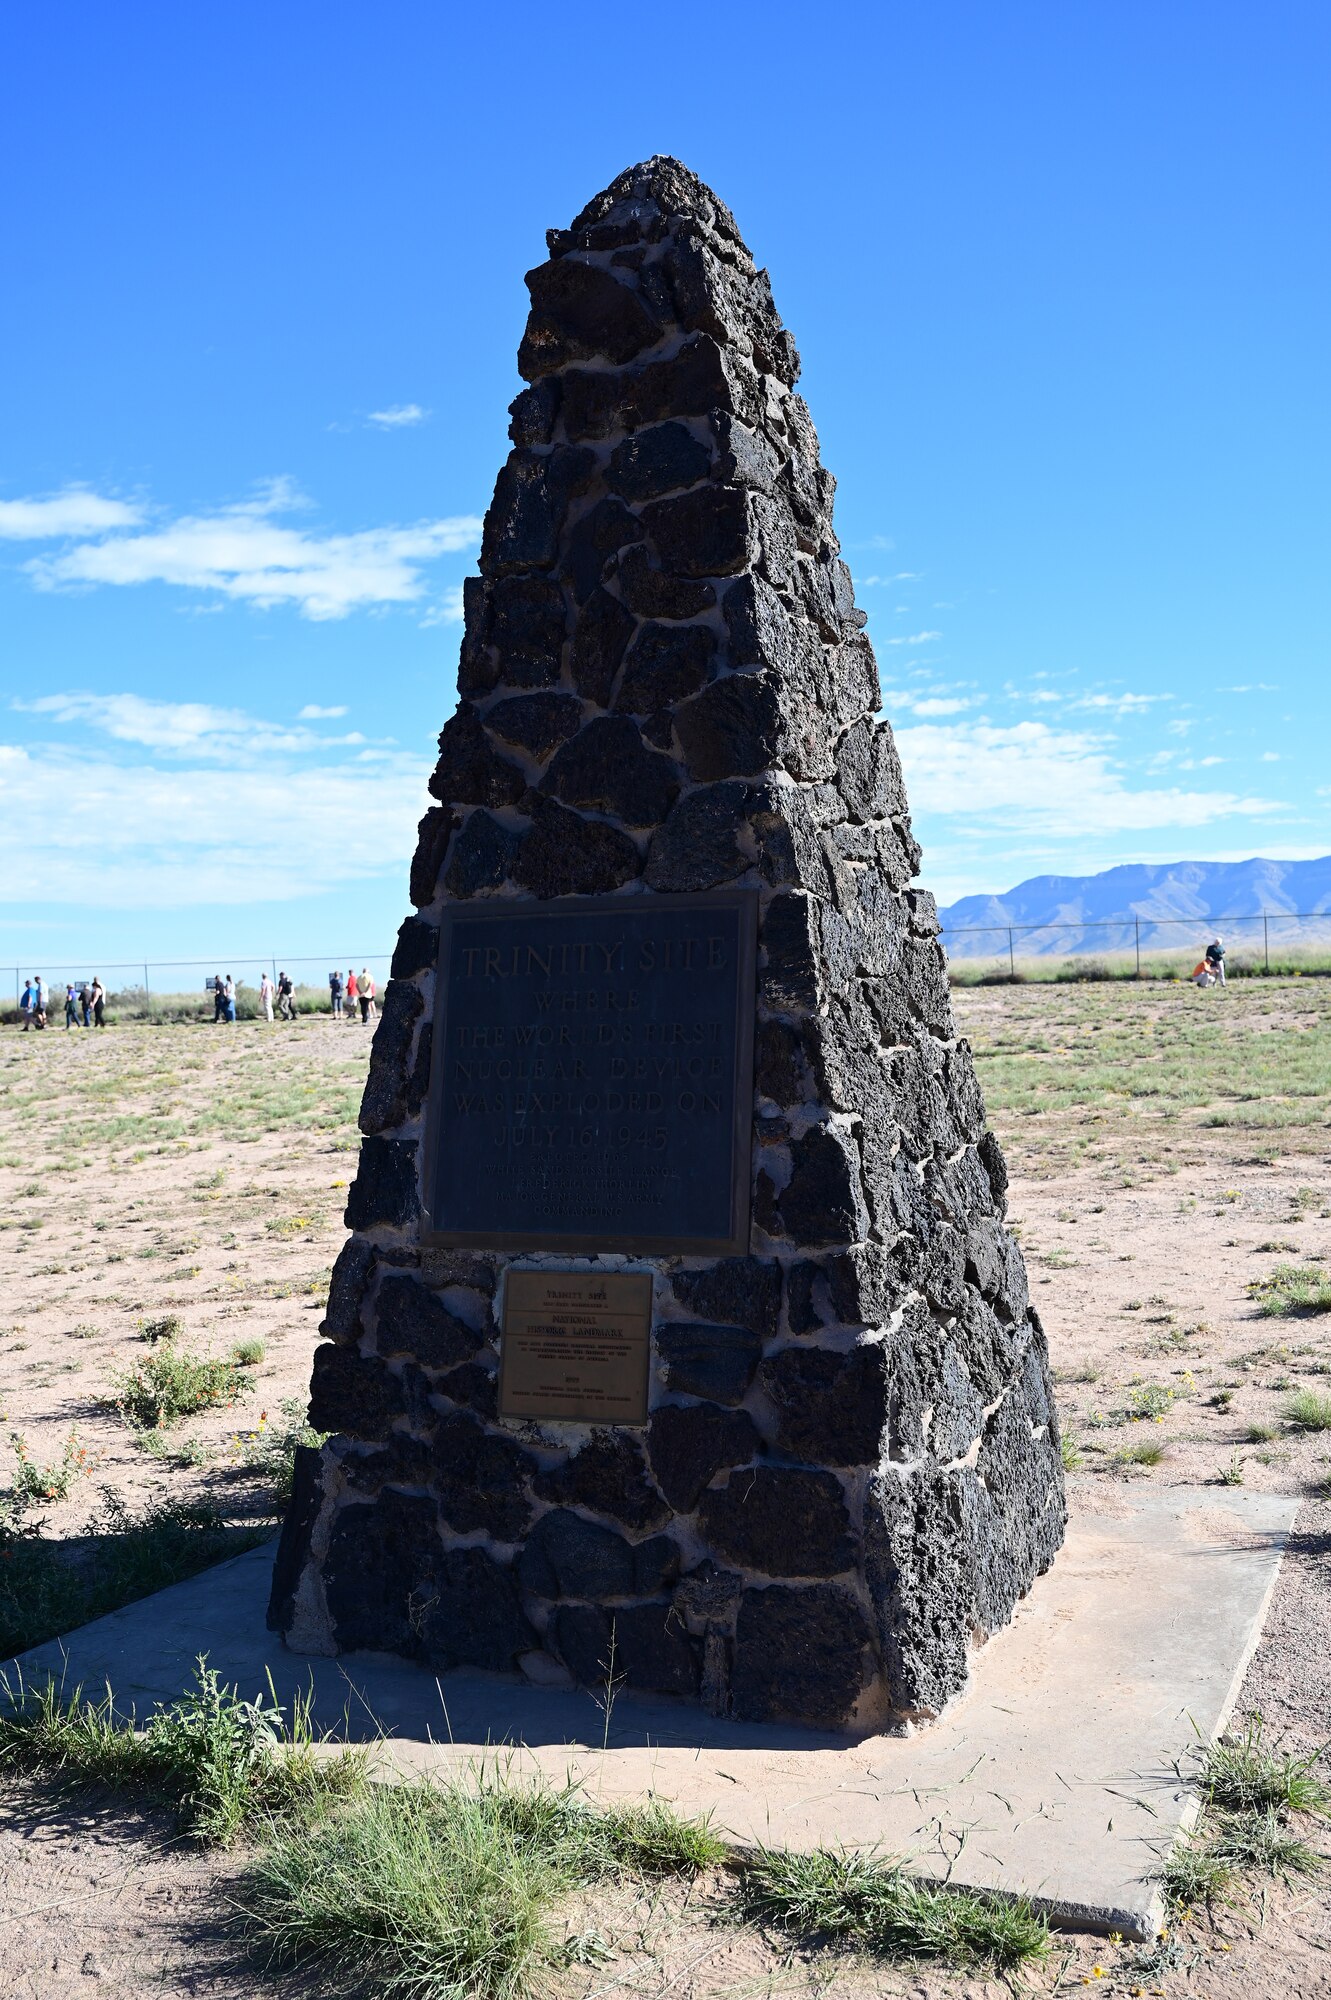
column 1011, row 961
column 1266, row 942
column 147, row 993
column 1137, row 925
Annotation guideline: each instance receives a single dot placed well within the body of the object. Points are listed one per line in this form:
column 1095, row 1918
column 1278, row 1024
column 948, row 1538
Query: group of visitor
column 277, row 997
column 350, row 993
column 1210, row 967
column 85, row 1005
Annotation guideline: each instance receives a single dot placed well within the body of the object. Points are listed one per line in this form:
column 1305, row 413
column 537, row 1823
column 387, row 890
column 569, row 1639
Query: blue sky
column 1059, row 277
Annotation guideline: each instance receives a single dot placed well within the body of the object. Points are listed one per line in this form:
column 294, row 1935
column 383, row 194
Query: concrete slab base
column 1053, row 1776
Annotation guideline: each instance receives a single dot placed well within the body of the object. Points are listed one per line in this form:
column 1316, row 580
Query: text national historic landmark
column 679, row 1335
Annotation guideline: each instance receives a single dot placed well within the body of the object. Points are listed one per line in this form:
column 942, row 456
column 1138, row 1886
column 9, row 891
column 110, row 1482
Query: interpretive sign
column 576, row 1346
column 592, row 1075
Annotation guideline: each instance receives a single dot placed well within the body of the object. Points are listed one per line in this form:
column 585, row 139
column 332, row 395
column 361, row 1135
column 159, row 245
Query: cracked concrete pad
column 1054, row 1775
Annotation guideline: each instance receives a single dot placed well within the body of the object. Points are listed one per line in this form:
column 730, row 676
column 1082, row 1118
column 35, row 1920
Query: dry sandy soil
column 1167, row 1149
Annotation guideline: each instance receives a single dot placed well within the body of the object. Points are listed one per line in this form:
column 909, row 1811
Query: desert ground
column 1170, row 1159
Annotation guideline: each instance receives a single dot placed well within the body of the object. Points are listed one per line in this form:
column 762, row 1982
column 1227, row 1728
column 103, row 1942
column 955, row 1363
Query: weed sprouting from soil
column 1241, row 1774
column 225, row 1765
column 270, row 1448
column 35, row 1483
column 878, row 1906
column 169, row 1384
column 1292, row 1291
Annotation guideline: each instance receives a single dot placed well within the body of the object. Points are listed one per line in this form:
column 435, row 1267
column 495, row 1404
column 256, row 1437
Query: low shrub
column 1309, row 1411
column 1292, row 1291
column 169, row 1384
column 270, row 1448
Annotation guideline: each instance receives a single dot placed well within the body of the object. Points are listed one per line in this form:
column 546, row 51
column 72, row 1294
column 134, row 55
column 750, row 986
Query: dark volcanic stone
column 346, row 1290
column 790, row 976
column 742, row 1291
column 384, row 1189
column 603, row 631
column 416, row 950
column 538, row 722
column 530, row 501
column 607, row 1476
column 534, row 413
column 608, row 767
column 353, row 1393
column 781, row 1520
column 799, row 1654
column 714, row 1361
column 483, row 855
column 822, row 1202
column 384, row 1101
column 462, row 1267
column 431, row 843
column 579, row 311
column 831, row 1408
column 703, row 533
column 472, row 1385
column 665, row 663
column 418, row 1083
column 481, row 1479
column 643, row 1643
column 995, row 1166
column 780, row 1060
column 413, row 1321
column 656, row 461
column 470, row 771
column 692, row 382
column 294, row 1542
column 607, row 527
column 565, row 855
column 733, row 728
column 527, row 630
column 566, row 1556
column 653, row 593
column 378, row 1556
column 915, row 1551
column 690, row 1443
column 801, row 1300
column 699, row 845
column 470, row 1614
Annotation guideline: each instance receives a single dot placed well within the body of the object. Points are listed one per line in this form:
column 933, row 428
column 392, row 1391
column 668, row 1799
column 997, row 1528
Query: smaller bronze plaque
column 576, row 1346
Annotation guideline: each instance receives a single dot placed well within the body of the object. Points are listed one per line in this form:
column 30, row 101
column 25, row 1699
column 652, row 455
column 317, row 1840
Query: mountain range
column 1173, row 904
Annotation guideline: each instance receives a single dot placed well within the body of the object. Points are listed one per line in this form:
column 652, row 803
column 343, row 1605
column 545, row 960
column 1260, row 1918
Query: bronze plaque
column 576, row 1346
column 592, row 1075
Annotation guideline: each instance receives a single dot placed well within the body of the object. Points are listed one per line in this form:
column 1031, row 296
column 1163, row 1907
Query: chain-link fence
column 184, row 989
column 1266, row 945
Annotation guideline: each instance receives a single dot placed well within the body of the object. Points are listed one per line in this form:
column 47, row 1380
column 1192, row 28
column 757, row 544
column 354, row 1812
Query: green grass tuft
column 1148, row 1451
column 1240, row 1774
column 1309, row 1411
column 1260, row 1840
column 1292, row 1291
column 440, row 1890
column 1194, row 1872
column 879, row 1907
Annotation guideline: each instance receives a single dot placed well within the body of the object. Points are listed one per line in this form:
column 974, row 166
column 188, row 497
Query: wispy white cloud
column 1121, row 704
column 1045, row 781
column 247, row 553
column 184, row 728
column 916, row 639
column 312, row 712
column 397, row 417
column 1252, row 687
column 182, row 803
column 75, row 511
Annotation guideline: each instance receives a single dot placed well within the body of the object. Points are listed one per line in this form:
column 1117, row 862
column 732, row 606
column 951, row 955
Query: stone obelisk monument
column 679, row 1338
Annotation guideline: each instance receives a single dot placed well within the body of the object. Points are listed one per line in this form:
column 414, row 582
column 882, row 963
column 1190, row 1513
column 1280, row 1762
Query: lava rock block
column 800, row 1655
column 781, row 1520
column 379, row 1558
column 482, row 856
column 831, row 1408
column 743, row 1291
column 566, row 855
column 608, row 1475
column 689, row 1443
column 353, row 1393
column 656, row 461
column 469, row 1613
column 609, row 767
column 714, row 1361
column 481, row 1479
column 642, row 1644
column 411, row 1320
